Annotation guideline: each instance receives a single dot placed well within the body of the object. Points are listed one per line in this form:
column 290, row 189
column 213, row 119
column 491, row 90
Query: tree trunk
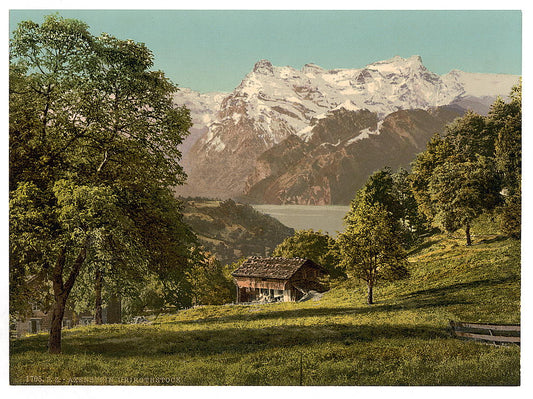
column 98, row 294
column 61, row 292
column 468, row 238
column 54, row 341
column 370, row 298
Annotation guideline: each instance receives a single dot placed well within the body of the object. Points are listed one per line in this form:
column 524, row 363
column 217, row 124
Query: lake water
column 303, row 217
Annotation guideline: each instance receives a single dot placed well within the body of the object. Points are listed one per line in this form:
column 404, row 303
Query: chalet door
column 35, row 326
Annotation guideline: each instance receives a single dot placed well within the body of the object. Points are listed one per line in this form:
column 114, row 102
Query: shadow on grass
column 334, row 311
column 204, row 341
column 222, row 338
column 229, row 341
column 435, row 293
column 423, row 246
column 492, row 240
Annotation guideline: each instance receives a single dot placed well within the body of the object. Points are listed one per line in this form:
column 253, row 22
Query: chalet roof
column 278, row 268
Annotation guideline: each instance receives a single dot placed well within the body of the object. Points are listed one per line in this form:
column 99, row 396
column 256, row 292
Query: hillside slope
column 231, row 230
column 401, row 340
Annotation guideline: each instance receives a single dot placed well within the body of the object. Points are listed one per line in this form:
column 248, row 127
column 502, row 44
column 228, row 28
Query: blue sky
column 213, row 50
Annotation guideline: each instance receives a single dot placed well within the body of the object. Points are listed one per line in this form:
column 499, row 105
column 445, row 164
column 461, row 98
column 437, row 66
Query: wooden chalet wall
column 306, row 277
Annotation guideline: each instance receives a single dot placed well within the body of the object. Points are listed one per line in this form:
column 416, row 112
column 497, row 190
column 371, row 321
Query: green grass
column 401, row 340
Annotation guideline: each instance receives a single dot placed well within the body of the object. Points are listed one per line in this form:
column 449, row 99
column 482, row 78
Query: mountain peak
column 415, row 58
column 311, row 68
column 264, row 67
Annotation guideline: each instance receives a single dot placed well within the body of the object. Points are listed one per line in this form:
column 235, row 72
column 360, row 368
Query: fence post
column 301, row 369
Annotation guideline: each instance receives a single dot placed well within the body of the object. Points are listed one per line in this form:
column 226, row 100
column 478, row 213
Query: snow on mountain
column 203, row 108
column 274, row 102
column 480, row 84
column 271, row 95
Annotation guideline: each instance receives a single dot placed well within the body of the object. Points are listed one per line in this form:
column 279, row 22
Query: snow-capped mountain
column 203, row 107
column 271, row 103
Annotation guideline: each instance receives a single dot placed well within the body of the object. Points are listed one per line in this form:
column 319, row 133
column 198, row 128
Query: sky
column 212, row 50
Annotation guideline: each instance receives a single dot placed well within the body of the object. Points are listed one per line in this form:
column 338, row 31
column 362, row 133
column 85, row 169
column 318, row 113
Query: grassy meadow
column 403, row 339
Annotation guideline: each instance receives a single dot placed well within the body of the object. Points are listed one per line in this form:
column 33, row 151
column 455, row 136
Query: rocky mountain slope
column 272, row 104
column 340, row 153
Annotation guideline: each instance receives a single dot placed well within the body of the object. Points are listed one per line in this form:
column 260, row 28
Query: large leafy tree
column 438, row 150
column 505, row 119
column 413, row 223
column 94, row 154
column 470, row 137
column 393, row 191
column 465, row 173
column 461, row 191
column 370, row 248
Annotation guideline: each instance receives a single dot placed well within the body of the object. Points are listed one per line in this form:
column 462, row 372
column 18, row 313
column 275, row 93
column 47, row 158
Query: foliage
column 94, row 155
column 465, row 173
column 438, row 150
column 510, row 215
column 209, row 284
column 469, row 137
column 461, row 191
column 413, row 223
column 505, row 119
column 314, row 245
column 369, row 247
column 393, row 191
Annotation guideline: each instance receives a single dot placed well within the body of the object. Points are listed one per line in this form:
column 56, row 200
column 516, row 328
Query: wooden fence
column 495, row 333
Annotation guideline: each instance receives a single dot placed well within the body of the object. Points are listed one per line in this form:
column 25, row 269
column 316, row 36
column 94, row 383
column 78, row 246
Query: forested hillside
column 231, row 230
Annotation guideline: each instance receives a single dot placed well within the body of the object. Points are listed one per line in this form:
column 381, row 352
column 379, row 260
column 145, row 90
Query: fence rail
column 495, row 333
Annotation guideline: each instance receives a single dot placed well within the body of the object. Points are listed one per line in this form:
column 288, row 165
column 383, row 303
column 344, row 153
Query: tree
column 470, row 137
column 210, row 286
column 393, row 191
column 369, row 247
column 505, row 119
column 413, row 223
column 462, row 191
column 94, row 156
column 456, row 178
column 313, row 245
column 438, row 150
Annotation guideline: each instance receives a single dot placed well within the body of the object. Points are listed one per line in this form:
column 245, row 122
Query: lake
column 327, row 218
